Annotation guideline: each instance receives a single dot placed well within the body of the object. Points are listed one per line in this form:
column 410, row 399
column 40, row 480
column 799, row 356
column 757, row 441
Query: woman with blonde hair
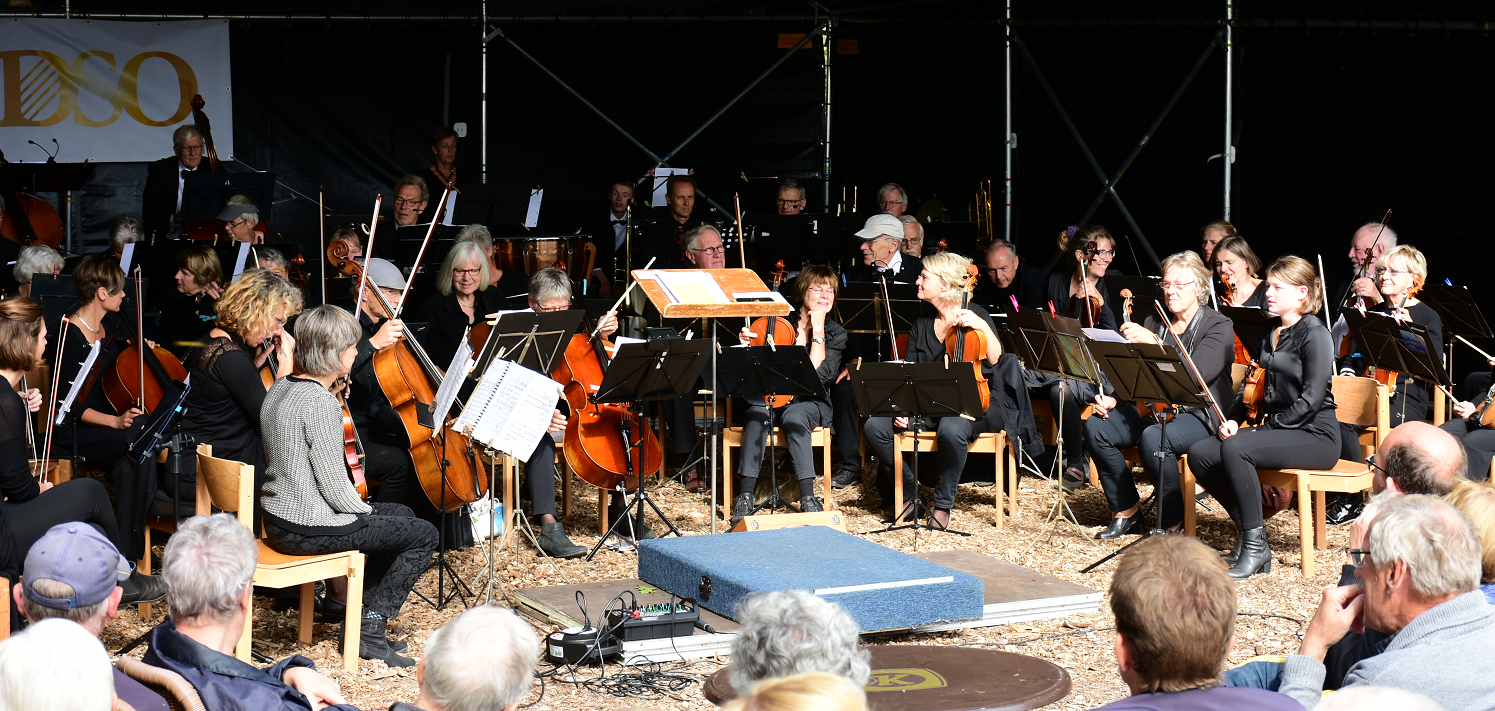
column 1399, row 274
column 1297, row 427
column 463, row 296
column 810, row 691
column 940, row 284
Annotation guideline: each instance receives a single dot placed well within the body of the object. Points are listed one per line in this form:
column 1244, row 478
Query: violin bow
column 741, row 243
column 1365, row 265
column 367, row 254
column 619, row 302
column 1189, row 362
column 1324, row 290
column 52, row 410
column 30, row 428
column 140, row 337
column 440, row 207
column 322, row 235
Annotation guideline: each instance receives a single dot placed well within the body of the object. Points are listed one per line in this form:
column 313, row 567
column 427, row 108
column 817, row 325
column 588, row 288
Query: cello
column 140, row 374
column 599, row 438
column 445, row 460
column 969, row 344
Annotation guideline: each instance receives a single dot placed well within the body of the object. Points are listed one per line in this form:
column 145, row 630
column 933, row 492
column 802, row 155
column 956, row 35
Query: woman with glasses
column 510, row 284
column 1078, row 292
column 1297, row 428
column 1208, row 338
column 815, row 291
column 463, row 296
column 1399, row 273
column 940, row 284
column 1237, row 266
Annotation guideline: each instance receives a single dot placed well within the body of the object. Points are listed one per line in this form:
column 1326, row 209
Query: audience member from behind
column 1418, row 458
column 792, row 631
column 807, row 691
column 1477, row 503
column 1419, row 572
column 1378, row 698
column 209, row 570
column 482, row 661
column 1175, row 613
column 57, row 666
column 73, row 573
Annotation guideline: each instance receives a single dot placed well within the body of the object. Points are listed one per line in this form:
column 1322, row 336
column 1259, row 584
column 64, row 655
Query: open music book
column 510, row 408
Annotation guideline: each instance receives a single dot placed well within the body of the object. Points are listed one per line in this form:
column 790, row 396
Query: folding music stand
column 916, row 391
column 1149, row 373
column 1145, row 292
column 204, row 193
column 1247, row 322
column 860, row 308
column 662, row 369
column 763, row 371
column 1401, row 346
column 535, row 340
column 1461, row 316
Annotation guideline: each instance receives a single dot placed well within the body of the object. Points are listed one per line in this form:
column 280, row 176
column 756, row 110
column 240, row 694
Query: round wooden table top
column 909, row 677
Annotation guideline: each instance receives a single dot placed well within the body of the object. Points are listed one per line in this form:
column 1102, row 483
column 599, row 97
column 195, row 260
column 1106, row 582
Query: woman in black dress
column 463, row 297
column 1237, row 266
column 92, row 427
column 940, row 284
column 1208, row 338
column 1298, row 428
column 188, row 314
column 1080, row 293
column 1399, row 274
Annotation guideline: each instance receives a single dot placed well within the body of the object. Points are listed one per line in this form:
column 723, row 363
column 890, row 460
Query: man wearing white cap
column 882, row 238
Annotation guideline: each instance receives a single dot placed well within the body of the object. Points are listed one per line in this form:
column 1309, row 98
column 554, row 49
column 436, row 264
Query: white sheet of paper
column 661, row 181
column 691, row 287
column 510, row 409
column 239, row 262
column 1104, row 334
column 79, row 380
column 451, row 209
column 532, row 215
column 125, row 256
column 451, row 384
column 620, row 341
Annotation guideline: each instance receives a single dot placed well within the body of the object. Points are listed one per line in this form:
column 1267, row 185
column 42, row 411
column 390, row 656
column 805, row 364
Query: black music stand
column 1144, row 372
column 860, row 308
column 762, row 371
column 916, row 391
column 1248, row 321
column 533, row 339
column 1401, row 346
column 204, row 193
column 662, row 369
column 1461, row 316
column 1145, row 293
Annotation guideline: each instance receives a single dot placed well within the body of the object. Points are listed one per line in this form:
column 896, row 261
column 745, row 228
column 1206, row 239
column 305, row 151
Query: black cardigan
column 1059, row 295
column 448, row 322
column 1300, row 373
column 1212, row 348
column 925, row 347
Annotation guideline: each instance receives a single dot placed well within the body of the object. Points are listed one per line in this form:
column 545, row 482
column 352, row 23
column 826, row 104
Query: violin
column 1487, row 413
column 1350, row 297
column 270, row 367
column 969, row 344
column 140, row 375
column 774, row 331
column 1090, row 305
column 1382, row 375
column 1242, row 356
column 352, row 445
column 409, row 380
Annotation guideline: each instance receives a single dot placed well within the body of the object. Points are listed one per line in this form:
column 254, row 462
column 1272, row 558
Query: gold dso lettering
column 28, row 93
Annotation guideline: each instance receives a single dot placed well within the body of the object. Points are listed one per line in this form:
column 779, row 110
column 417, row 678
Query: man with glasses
column 704, row 248
column 665, row 237
column 913, row 236
column 791, row 197
column 1004, row 277
column 892, row 199
column 165, row 180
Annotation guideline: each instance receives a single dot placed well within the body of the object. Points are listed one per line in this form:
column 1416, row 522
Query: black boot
column 1256, row 555
column 1235, row 555
column 742, row 505
column 810, row 504
column 638, row 532
column 1122, row 526
column 140, row 588
column 554, row 543
column 372, row 643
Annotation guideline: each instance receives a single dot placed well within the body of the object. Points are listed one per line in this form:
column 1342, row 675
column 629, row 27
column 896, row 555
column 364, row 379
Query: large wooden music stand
column 731, row 281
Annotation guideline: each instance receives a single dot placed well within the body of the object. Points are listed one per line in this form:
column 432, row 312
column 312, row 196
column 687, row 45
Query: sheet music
column 79, row 380
column 125, row 256
column 1103, row 334
column 692, row 287
column 451, row 384
column 239, row 262
column 510, row 408
column 532, row 215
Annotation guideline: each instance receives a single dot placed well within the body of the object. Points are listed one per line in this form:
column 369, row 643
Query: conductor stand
column 1144, row 372
column 763, row 372
column 662, row 369
column 915, row 391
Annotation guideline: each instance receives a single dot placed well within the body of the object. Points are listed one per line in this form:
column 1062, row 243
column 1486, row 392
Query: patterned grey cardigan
column 306, row 483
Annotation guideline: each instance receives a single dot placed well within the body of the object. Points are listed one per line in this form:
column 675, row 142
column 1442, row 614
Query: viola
column 1242, row 356
column 969, row 344
column 1254, row 391
column 352, row 446
column 1090, row 305
column 140, row 375
column 1487, row 413
column 269, row 368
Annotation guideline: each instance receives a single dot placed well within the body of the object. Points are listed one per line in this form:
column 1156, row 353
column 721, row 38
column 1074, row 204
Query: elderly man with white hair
column 1420, row 572
column 792, row 631
column 482, row 661
column 58, row 666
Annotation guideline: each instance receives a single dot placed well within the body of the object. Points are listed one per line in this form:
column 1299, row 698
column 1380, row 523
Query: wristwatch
column 818, row 339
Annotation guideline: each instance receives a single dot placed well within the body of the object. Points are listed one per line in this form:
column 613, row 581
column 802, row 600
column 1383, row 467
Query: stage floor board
column 1013, row 594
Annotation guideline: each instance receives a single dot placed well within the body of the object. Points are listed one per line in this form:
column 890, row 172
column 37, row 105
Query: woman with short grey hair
column 792, row 631
column 463, row 296
column 36, row 259
column 311, row 506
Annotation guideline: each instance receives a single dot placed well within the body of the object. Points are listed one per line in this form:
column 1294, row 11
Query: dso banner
column 110, row 91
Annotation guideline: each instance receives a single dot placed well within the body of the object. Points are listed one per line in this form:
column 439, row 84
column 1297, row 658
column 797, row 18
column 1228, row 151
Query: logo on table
column 904, row 680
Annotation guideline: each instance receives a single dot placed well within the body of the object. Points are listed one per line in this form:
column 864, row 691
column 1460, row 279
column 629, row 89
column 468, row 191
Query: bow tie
column 618, row 221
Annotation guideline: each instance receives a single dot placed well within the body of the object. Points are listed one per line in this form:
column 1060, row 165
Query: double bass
column 445, row 461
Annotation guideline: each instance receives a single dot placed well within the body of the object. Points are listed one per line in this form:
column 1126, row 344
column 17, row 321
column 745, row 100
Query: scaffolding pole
column 483, row 114
column 1229, row 157
column 825, row 168
column 1009, row 138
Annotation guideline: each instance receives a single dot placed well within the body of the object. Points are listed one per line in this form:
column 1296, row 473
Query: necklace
column 79, row 315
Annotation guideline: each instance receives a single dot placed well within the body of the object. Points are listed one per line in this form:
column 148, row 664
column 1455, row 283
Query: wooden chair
column 994, row 443
column 1048, row 428
column 178, row 693
column 1361, row 402
column 229, row 485
column 732, row 437
column 5, row 610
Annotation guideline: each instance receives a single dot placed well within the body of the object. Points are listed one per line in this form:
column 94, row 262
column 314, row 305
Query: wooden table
column 919, row 678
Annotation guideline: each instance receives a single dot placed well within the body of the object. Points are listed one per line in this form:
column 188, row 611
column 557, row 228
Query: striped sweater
column 306, row 483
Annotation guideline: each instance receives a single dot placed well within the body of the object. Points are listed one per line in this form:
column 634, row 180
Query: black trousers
column 1479, row 445
column 539, row 472
column 1228, row 469
column 1476, row 386
column 795, row 420
column 99, row 446
column 392, row 468
column 1106, row 437
column 84, row 500
column 847, row 423
column 398, row 546
column 1071, row 426
column 953, row 438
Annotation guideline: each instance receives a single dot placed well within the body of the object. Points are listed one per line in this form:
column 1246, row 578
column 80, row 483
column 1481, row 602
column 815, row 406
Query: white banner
column 110, row 91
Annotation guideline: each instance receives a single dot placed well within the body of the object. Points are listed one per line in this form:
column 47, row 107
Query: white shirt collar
column 896, row 262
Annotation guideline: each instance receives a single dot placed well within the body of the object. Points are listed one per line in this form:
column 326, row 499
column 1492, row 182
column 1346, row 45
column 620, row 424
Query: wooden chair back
column 1356, row 400
column 178, row 693
column 228, row 484
column 1237, row 376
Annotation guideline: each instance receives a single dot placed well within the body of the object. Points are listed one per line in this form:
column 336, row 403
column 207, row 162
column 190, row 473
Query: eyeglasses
column 887, row 203
column 791, row 202
column 1370, row 461
column 467, row 272
column 822, row 290
column 236, row 223
column 1179, row 285
column 400, row 202
column 190, row 149
column 553, row 309
column 1393, row 273
column 1358, row 557
column 717, row 249
column 1103, row 253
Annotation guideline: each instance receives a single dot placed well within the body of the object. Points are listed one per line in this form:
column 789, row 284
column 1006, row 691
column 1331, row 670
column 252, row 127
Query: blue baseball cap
column 76, row 554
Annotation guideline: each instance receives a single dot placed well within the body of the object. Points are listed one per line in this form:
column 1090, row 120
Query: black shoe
column 554, row 543
column 372, row 643
column 1256, row 555
column 810, row 504
column 141, row 588
column 1072, row 479
column 1341, row 508
column 912, row 512
column 1122, row 526
column 742, row 505
column 845, row 478
column 934, row 525
column 332, row 610
column 639, row 532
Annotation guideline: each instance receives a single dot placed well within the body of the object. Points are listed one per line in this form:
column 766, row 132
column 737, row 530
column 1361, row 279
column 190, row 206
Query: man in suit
column 665, row 235
column 607, row 234
column 882, row 238
column 164, row 180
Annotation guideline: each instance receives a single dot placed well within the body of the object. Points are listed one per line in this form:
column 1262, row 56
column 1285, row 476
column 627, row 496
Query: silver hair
column 693, row 235
column 186, row 132
column 322, row 335
column 274, row 257
column 997, row 244
column 478, row 234
column 1190, row 260
column 252, row 217
column 890, row 187
column 1438, row 545
column 462, row 253
column 482, row 661
column 793, row 631
column 57, row 589
column 1388, row 235
column 55, row 665
column 1365, row 697
column 792, row 184
column 908, row 219
column 36, row 259
column 207, row 563
column 549, row 284
column 125, row 229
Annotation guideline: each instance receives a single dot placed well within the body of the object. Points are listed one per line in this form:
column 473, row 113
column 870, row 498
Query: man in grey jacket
column 1420, row 584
